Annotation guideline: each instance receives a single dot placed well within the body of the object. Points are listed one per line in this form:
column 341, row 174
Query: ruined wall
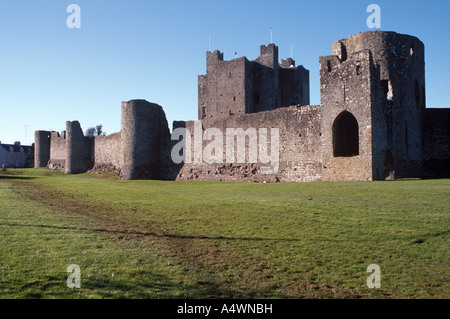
column 107, row 154
column 299, row 147
column 398, row 97
column 379, row 78
column 372, row 123
column 345, row 88
column 78, row 149
column 138, row 151
column 144, row 137
column 436, row 141
column 58, row 152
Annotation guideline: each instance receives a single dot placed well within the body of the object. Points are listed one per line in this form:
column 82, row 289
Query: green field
column 163, row 239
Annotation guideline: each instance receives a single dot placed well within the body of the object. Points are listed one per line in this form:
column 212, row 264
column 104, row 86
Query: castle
column 372, row 123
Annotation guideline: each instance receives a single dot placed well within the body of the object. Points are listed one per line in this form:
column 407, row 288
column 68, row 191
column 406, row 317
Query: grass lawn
column 164, row 239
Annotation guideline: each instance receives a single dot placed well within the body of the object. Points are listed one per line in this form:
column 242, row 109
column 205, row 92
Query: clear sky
column 154, row 50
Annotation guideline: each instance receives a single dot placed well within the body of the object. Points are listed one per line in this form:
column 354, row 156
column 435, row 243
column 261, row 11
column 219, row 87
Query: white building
column 16, row 155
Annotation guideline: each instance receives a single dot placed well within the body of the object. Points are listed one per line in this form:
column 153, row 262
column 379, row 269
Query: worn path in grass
column 169, row 239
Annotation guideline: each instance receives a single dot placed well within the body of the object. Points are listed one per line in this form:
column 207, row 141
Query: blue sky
column 154, row 50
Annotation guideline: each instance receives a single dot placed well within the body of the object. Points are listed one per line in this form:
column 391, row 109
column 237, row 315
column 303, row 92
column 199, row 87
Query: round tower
column 78, row 152
column 398, row 56
column 379, row 77
column 144, row 130
column 398, row 102
column 41, row 148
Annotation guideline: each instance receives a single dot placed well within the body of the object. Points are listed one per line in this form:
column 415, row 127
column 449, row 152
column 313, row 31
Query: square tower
column 241, row 86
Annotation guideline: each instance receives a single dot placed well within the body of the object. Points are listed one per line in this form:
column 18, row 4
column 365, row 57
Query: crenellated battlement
column 240, row 86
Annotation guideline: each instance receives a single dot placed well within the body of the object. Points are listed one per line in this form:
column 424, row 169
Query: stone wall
column 57, row 151
column 299, row 147
column 107, row 155
column 144, row 136
column 398, row 96
column 78, row 149
column 264, row 81
column 379, row 77
column 436, row 141
column 372, row 123
column 294, row 85
column 345, row 88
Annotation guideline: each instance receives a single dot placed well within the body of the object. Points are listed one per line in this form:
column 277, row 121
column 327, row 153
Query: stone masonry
column 372, row 123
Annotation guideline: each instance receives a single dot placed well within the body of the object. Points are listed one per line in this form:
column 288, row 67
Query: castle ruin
column 372, row 123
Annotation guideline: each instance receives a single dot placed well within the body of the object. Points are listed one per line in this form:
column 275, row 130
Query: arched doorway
column 345, row 135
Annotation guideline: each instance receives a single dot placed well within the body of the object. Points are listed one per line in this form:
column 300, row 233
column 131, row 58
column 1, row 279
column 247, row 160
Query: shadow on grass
column 13, row 174
column 145, row 284
column 155, row 286
column 18, row 177
column 201, row 237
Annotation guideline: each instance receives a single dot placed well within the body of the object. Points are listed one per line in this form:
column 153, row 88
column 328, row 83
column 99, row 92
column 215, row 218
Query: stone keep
column 372, row 123
column 241, row 86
